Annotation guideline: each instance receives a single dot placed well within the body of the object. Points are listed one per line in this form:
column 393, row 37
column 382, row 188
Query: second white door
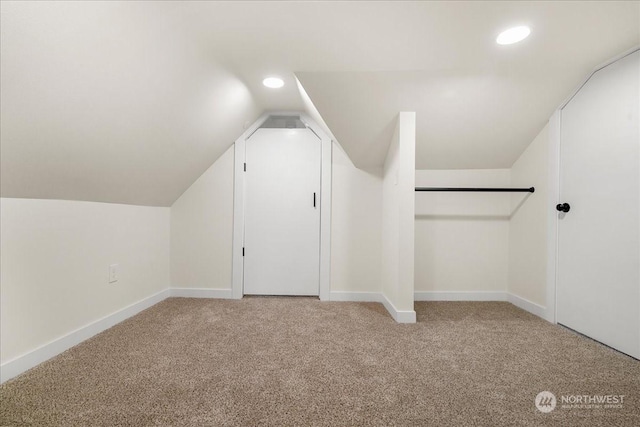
column 282, row 213
column 598, row 291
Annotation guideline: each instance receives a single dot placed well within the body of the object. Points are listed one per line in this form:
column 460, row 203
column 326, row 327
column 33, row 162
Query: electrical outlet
column 113, row 273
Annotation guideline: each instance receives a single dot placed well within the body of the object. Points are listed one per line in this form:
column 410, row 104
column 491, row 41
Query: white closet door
column 598, row 291
column 282, row 213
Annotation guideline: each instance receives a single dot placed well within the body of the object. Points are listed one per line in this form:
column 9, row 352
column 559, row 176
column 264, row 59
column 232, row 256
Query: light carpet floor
column 299, row 361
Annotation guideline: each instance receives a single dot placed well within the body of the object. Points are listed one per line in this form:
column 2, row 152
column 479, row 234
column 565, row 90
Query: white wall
column 356, row 220
column 406, row 183
column 398, row 220
column 461, row 238
column 202, row 229
column 390, row 219
column 55, row 258
column 485, row 246
column 528, row 228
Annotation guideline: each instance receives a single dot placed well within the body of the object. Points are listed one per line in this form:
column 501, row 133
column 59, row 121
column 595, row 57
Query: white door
column 282, row 213
column 598, row 290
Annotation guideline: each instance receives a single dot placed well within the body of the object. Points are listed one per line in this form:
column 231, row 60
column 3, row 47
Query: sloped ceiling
column 110, row 102
column 130, row 102
column 478, row 104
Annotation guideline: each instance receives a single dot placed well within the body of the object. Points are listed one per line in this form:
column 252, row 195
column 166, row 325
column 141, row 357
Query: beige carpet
column 297, row 361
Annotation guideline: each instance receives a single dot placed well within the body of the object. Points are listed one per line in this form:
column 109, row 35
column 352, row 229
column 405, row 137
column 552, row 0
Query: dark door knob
column 563, row 207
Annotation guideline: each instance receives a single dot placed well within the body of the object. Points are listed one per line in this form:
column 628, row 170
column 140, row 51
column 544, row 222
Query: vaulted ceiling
column 130, row 102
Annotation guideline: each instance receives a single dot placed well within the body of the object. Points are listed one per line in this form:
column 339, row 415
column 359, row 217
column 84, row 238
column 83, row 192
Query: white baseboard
column 355, row 296
column 20, row 364
column 519, row 302
column 45, row 352
column 400, row 316
column 201, row 293
column 527, row 305
column 460, row 296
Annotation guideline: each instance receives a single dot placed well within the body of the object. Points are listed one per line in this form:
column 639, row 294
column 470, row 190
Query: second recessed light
column 273, row 82
column 513, row 35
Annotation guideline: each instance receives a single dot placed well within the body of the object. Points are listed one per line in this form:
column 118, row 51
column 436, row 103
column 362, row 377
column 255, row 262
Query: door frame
column 237, row 274
column 553, row 197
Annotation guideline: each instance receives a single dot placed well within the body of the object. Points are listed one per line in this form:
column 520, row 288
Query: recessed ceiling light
column 513, row 35
column 273, row 82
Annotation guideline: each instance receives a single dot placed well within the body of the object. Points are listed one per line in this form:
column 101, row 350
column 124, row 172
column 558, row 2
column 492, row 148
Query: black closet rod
column 484, row 190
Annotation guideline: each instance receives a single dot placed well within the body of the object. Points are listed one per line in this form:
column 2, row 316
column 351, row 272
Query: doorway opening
column 282, row 206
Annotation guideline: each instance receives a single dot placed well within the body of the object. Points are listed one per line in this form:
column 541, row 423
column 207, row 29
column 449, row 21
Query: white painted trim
column 400, row 316
column 237, row 271
column 201, row 293
column 20, row 364
column 555, row 127
column 325, row 213
column 527, row 305
column 237, row 275
column 355, row 296
column 595, row 70
column 460, row 296
column 522, row 303
column 553, row 198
